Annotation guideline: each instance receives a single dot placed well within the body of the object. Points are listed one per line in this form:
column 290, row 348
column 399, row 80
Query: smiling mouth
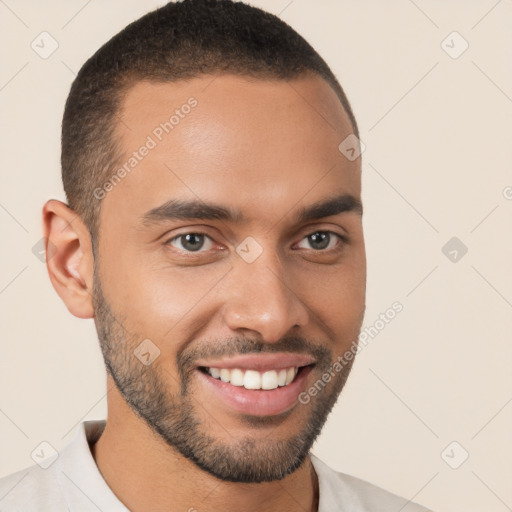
column 254, row 379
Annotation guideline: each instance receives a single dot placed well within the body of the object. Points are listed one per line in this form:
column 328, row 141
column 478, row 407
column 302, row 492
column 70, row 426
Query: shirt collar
column 79, row 478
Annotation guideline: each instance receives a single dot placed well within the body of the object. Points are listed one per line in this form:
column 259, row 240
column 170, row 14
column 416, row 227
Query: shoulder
column 339, row 489
column 62, row 480
column 29, row 488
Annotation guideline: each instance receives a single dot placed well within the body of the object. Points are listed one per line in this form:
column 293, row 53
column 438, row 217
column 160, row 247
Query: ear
column 69, row 257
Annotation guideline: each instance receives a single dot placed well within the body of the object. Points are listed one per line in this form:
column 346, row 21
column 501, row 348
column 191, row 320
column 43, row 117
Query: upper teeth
column 252, row 379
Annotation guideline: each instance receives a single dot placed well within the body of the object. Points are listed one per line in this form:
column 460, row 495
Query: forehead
column 250, row 143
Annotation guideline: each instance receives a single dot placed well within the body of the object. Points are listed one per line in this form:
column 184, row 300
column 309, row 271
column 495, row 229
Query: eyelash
column 192, row 254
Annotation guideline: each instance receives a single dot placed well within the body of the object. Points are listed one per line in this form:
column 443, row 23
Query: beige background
column 437, row 165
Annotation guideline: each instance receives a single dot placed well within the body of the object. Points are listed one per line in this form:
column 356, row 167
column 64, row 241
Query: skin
column 268, row 149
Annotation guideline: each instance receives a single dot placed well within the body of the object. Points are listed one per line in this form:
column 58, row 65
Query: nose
column 261, row 300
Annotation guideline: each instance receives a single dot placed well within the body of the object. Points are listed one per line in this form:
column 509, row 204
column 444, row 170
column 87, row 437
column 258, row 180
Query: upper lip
column 260, row 362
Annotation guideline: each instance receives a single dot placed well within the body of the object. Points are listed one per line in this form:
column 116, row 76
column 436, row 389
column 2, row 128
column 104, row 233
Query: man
column 213, row 231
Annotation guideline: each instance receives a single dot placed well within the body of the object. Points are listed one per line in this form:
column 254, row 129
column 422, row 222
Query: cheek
column 337, row 297
column 337, row 285
column 158, row 299
column 352, row 296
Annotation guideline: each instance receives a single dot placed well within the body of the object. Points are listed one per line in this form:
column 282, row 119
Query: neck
column 147, row 474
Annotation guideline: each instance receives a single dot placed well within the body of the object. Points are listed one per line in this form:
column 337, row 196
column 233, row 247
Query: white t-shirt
column 73, row 483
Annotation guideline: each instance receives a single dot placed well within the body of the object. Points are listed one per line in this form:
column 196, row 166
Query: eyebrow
column 178, row 209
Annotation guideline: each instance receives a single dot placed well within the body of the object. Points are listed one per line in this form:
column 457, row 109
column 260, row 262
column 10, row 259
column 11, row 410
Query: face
column 230, row 267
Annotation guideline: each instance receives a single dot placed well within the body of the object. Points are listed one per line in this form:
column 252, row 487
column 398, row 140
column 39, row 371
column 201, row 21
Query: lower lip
column 258, row 402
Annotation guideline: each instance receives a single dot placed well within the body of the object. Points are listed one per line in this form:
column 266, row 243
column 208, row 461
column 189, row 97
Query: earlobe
column 69, row 260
